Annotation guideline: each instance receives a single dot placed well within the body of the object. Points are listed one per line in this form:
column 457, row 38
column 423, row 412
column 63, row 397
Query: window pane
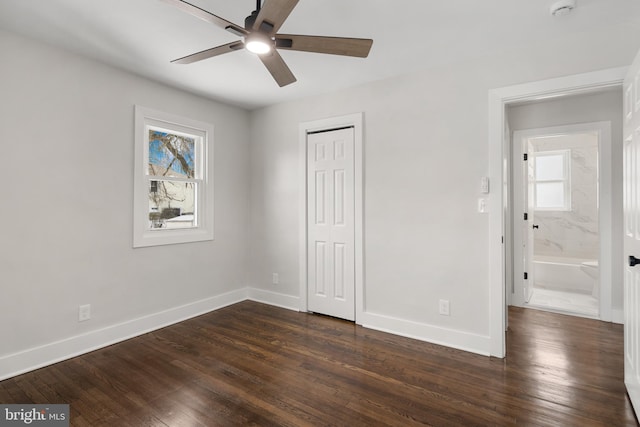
column 550, row 195
column 171, row 204
column 549, row 167
column 171, row 155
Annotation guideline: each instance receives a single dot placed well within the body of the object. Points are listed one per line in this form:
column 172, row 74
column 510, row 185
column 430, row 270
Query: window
column 552, row 182
column 173, row 191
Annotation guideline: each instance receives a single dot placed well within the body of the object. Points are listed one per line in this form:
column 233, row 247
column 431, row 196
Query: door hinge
column 526, row 216
column 526, row 276
column 526, row 157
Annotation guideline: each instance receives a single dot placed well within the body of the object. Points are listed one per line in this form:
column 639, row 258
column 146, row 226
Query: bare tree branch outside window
column 170, row 156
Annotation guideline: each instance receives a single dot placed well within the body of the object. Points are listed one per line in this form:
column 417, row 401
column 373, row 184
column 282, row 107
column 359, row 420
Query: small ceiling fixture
column 562, row 7
column 258, row 43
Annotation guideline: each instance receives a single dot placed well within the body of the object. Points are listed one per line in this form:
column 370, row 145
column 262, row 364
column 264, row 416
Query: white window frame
column 143, row 235
column 566, row 180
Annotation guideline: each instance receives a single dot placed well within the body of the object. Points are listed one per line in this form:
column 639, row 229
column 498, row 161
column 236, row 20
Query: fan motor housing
column 250, row 20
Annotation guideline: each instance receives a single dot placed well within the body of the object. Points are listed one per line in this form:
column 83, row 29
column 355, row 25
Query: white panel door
column 529, row 224
column 523, row 212
column 330, row 223
column 631, row 154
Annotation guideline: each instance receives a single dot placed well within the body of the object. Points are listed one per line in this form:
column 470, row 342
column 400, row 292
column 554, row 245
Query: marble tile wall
column 574, row 233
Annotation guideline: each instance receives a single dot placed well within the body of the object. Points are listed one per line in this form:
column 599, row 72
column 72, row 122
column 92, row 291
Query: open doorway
column 562, row 202
column 500, row 207
column 556, row 206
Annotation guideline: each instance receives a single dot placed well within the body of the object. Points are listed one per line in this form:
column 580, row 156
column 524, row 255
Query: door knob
column 633, row 261
column 536, row 226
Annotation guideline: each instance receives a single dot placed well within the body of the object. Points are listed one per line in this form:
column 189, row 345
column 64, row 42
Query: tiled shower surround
column 574, row 233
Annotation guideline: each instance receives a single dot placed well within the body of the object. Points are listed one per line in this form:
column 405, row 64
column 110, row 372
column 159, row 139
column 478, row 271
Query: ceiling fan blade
column 210, row 53
column 206, row 16
column 278, row 68
column 273, row 14
column 331, row 45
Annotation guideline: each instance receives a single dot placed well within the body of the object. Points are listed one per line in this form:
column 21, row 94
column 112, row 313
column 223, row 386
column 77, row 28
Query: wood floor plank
column 254, row 364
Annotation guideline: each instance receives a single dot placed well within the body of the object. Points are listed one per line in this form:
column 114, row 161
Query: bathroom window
column 552, row 185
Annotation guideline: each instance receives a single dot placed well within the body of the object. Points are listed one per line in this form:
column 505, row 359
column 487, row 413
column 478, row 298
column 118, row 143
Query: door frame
column 499, row 159
column 351, row 120
column 605, row 203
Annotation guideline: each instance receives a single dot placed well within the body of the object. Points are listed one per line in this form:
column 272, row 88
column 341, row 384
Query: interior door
column 330, row 223
column 523, row 210
column 631, row 190
column 529, row 224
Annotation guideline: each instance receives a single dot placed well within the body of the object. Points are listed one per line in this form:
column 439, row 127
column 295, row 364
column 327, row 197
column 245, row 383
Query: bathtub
column 563, row 274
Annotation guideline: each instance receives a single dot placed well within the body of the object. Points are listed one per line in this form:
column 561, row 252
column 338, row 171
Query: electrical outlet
column 482, row 205
column 275, row 278
column 444, row 307
column 84, row 312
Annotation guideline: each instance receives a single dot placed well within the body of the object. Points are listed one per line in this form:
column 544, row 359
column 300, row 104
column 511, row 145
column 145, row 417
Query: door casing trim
column 498, row 150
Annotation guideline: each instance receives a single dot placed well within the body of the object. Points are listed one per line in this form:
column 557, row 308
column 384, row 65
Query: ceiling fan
column 260, row 34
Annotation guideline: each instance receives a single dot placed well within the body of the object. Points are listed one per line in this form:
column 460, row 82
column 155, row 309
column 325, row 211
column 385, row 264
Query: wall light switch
column 484, row 185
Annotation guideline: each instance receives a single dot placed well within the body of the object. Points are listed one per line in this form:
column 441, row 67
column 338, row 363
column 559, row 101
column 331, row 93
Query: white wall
column 66, row 132
column 425, row 152
column 605, row 106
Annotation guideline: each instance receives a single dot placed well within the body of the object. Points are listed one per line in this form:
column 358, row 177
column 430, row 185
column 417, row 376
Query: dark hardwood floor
column 252, row 364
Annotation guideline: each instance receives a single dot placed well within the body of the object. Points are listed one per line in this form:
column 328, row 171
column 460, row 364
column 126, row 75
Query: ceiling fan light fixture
column 258, row 43
column 260, row 36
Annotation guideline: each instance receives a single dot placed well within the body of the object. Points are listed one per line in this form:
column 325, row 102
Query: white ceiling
column 142, row 36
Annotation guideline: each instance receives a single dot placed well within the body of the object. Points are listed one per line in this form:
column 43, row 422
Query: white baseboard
column 447, row 337
column 274, row 298
column 37, row 357
column 474, row 343
column 617, row 316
